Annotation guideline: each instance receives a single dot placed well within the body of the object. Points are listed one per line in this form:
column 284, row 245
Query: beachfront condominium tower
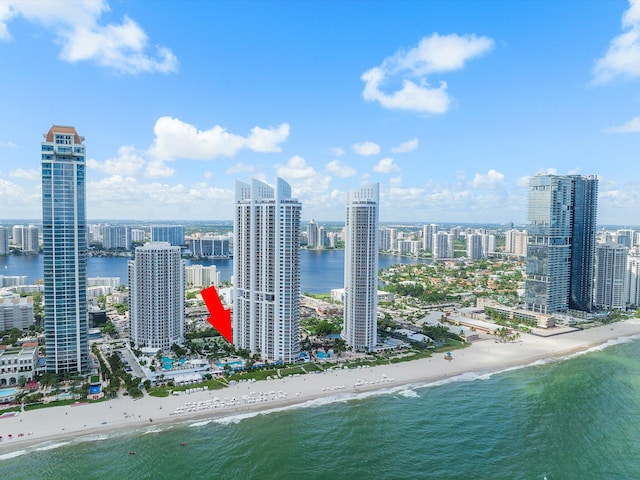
column 611, row 276
column 562, row 212
column 266, row 270
column 156, row 297
column 64, row 235
column 361, row 268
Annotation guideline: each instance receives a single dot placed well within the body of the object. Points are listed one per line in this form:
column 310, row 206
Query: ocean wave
column 409, row 393
column 17, row 453
column 201, row 424
column 151, row 430
column 51, row 447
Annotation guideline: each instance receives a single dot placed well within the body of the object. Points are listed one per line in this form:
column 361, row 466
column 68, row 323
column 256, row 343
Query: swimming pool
column 237, row 363
column 8, row 392
column 94, row 389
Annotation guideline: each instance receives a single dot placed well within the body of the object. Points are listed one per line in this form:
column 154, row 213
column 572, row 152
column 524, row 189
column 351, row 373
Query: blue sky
column 451, row 106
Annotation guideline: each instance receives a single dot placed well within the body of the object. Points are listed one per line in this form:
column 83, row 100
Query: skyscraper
column 561, row 243
column 156, row 297
column 611, row 272
column 65, row 250
column 173, row 234
column 4, row 241
column 361, row 268
column 266, row 268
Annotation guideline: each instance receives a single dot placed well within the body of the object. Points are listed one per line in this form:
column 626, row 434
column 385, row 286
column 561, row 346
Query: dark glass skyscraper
column 561, row 243
column 64, row 234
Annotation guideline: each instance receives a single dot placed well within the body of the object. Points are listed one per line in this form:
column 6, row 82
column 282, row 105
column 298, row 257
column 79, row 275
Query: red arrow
column 220, row 318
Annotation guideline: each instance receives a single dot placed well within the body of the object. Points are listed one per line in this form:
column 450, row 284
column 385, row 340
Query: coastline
column 48, row 427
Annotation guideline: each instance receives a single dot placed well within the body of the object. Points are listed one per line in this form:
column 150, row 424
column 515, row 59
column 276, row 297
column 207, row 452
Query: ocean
column 577, row 418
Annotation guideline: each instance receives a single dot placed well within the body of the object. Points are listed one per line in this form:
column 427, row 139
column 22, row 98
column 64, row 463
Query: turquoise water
column 237, row 363
column 7, row 392
column 574, row 419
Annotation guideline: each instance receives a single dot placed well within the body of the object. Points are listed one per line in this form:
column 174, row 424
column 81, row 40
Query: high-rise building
column 474, row 246
column 443, row 245
column 428, row 231
column 516, row 242
column 64, row 235
column 137, row 235
column 116, row 237
column 201, row 276
column 312, row 234
column 561, row 243
column 611, row 270
column 26, row 238
column 173, row 234
column 266, row 268
column 4, row 241
column 361, row 268
column 625, row 237
column 156, row 297
column 632, row 281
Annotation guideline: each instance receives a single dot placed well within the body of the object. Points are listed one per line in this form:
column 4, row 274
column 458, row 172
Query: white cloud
column 157, row 168
column 408, row 146
column 295, row 168
column 632, row 126
column 177, row 139
column 395, row 181
column 338, row 151
column 32, row 174
column 339, row 169
column 128, row 163
column 240, row 168
column 8, row 144
column 623, row 56
column 18, row 201
column 491, row 179
column 386, row 165
column 77, row 28
column 433, row 54
column 366, row 148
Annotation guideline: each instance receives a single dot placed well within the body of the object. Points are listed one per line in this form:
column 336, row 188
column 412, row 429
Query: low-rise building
column 16, row 312
column 18, row 364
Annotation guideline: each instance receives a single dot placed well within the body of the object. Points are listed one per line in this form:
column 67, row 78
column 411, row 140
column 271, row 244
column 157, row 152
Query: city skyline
column 451, row 110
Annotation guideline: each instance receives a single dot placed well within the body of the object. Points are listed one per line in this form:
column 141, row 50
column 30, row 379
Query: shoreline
column 47, row 427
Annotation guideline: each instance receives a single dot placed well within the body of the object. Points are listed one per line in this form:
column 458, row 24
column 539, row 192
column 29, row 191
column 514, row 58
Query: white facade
column 156, row 297
column 201, row 276
column 516, row 242
column 474, row 246
column 266, row 269
column 428, row 231
column 611, row 266
column 361, row 268
column 26, row 238
column 4, row 241
column 18, row 363
column 632, row 282
column 16, row 312
column 443, row 245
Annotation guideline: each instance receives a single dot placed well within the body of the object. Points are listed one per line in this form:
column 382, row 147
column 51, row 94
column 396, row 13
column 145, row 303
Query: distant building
column 4, row 241
column 137, row 235
column 156, row 297
column 562, row 214
column 361, row 268
column 625, row 237
column 210, row 246
column 113, row 282
column 13, row 280
column 474, row 246
column 201, row 276
column 16, row 312
column 313, row 240
column 173, row 234
column 428, row 231
column 611, row 272
column 266, row 270
column 64, row 231
column 516, row 242
column 116, row 237
column 443, row 245
column 26, row 238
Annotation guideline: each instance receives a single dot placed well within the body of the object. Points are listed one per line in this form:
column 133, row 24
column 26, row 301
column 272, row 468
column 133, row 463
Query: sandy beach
column 59, row 424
